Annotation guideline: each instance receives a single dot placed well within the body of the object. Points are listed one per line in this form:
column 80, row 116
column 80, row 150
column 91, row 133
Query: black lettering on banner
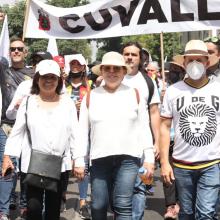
column 99, row 26
column 64, row 23
column 157, row 15
column 124, row 16
column 180, row 103
column 215, row 102
column 176, row 12
column 203, row 11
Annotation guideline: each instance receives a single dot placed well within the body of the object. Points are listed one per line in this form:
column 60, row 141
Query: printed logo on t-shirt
column 198, row 124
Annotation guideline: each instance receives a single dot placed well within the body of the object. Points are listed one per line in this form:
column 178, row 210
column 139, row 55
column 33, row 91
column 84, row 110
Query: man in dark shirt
column 13, row 76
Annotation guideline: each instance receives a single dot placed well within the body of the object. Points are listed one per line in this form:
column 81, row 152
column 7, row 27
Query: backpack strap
column 137, row 95
column 150, row 86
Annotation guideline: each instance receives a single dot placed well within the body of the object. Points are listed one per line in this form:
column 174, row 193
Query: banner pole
column 26, row 18
column 162, row 59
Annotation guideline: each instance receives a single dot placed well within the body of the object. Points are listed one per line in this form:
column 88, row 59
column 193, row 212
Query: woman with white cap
column 40, row 115
column 77, row 85
column 119, row 130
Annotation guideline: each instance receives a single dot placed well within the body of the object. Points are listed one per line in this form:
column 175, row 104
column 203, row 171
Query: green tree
column 16, row 20
column 108, row 44
column 151, row 42
column 67, row 3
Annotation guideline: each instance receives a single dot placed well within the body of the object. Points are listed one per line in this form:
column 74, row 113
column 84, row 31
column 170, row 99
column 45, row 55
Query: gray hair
column 154, row 64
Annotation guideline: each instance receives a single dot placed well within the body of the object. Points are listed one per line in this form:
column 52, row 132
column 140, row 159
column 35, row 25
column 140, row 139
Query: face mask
column 75, row 75
column 195, row 70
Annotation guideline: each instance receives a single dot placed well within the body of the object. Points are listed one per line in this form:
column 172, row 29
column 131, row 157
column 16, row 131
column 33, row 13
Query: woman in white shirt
column 119, row 130
column 53, row 125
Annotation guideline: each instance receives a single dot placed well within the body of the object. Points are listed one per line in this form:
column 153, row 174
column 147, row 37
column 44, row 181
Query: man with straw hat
column 193, row 105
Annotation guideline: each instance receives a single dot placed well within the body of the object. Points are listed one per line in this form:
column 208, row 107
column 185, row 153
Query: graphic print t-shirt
column 196, row 118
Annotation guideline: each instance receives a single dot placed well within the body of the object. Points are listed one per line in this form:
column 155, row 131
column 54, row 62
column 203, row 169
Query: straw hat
column 111, row 58
column 196, row 48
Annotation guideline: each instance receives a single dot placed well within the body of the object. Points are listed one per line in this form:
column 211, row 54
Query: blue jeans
column 139, row 200
column 7, row 182
column 198, row 192
column 83, row 187
column 112, row 181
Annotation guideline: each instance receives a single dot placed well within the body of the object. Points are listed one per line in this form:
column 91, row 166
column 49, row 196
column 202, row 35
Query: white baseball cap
column 48, row 67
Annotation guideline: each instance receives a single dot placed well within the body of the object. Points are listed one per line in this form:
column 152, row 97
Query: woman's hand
column 79, row 172
column 6, row 164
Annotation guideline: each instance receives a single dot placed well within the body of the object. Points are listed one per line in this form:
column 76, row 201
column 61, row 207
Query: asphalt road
column 155, row 204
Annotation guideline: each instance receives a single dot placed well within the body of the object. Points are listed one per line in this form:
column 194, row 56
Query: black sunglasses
column 13, row 49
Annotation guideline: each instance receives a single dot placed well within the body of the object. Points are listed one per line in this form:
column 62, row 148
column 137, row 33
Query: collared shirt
column 52, row 131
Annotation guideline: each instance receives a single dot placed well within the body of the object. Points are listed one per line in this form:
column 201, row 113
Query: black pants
column 37, row 198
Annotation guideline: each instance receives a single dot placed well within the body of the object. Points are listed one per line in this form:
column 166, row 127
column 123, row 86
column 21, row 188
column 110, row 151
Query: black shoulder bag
column 44, row 170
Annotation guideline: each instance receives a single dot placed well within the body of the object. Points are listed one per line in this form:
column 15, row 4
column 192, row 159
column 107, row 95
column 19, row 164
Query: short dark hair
column 138, row 45
column 35, row 88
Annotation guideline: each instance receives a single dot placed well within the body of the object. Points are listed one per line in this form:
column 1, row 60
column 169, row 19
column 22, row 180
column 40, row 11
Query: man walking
column 193, row 105
column 132, row 53
column 13, row 76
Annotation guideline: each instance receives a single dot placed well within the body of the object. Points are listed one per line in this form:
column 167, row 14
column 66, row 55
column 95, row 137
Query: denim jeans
column 83, row 187
column 198, row 192
column 112, row 181
column 139, row 200
column 6, row 183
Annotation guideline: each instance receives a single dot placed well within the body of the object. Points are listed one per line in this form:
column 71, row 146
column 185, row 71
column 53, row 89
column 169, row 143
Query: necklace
column 49, row 99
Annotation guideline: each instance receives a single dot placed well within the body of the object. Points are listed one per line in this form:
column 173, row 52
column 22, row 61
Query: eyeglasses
column 214, row 40
column 13, row 49
column 112, row 68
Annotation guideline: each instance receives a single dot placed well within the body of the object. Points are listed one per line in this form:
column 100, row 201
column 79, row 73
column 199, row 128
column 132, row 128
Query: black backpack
column 150, row 86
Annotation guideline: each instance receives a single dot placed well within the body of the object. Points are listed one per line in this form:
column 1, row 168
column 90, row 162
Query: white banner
column 52, row 47
column 4, row 40
column 111, row 18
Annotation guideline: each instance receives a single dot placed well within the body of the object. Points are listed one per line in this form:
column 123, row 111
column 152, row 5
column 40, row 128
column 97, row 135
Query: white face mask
column 195, row 70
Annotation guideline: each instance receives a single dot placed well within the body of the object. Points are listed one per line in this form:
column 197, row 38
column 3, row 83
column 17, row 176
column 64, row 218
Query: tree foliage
column 151, row 42
column 171, row 43
column 16, row 15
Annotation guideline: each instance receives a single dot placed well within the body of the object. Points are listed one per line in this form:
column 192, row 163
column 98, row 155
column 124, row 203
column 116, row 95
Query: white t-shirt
column 137, row 81
column 196, row 118
column 119, row 125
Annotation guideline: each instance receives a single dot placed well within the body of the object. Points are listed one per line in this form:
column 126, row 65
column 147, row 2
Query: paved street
column 154, row 211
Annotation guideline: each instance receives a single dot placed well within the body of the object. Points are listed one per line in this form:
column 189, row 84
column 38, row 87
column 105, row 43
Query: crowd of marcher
column 110, row 124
